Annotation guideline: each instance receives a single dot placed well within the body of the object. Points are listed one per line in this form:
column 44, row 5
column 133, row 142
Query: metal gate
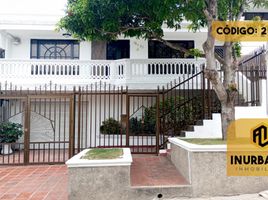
column 46, row 122
column 143, row 125
column 48, row 128
column 104, row 117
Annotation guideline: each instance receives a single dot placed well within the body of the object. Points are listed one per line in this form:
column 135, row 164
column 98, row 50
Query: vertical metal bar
column 100, row 115
column 257, row 102
column 71, row 125
column 82, row 120
column 91, row 111
column 203, row 94
column 27, row 127
column 95, row 118
column 60, row 124
column 55, row 123
column 86, row 128
column 48, row 157
column 38, row 159
column 121, row 108
column 104, row 114
column 118, row 114
column 145, row 133
column 163, row 113
column 33, row 151
column 127, row 116
column 79, row 121
column 64, row 127
column 44, row 152
column 209, row 100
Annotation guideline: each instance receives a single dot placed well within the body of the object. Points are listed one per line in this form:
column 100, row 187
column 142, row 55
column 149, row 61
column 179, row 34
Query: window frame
column 39, row 42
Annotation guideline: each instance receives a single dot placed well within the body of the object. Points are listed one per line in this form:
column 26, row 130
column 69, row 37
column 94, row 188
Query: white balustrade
column 70, row 72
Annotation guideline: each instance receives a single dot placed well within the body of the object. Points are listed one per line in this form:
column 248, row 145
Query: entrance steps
column 152, row 175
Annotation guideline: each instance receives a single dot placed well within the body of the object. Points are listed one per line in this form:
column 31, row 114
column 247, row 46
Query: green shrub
column 110, row 126
column 175, row 116
column 10, row 132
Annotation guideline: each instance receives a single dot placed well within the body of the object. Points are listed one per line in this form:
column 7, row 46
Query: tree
column 108, row 19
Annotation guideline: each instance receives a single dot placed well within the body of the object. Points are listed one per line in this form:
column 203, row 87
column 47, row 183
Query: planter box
column 99, row 179
column 204, row 166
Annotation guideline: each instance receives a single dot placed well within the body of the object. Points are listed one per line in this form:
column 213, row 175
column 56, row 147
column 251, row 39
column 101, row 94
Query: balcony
column 134, row 73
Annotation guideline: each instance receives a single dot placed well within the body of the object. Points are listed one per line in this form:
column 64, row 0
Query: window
column 251, row 15
column 118, row 49
column 2, row 53
column 219, row 50
column 160, row 50
column 54, row 49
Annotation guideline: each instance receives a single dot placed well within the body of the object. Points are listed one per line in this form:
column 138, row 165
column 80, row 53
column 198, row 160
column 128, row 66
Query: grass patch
column 103, row 154
column 205, row 141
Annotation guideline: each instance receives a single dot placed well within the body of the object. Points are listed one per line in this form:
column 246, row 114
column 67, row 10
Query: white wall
column 255, row 111
column 249, row 47
column 5, row 43
column 85, row 51
column 22, row 50
column 138, row 48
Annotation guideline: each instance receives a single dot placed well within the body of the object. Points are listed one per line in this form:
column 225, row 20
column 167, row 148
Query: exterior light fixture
column 66, row 35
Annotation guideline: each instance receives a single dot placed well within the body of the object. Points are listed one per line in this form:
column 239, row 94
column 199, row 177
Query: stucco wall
column 208, row 174
column 99, row 183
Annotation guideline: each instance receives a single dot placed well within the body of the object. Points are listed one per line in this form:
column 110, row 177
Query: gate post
column 27, row 124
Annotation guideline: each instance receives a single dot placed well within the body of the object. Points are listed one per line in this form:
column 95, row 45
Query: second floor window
column 118, row 49
column 160, row 50
column 54, row 49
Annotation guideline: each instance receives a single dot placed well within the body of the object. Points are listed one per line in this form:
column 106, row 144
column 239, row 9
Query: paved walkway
column 152, row 170
column 240, row 197
column 47, row 182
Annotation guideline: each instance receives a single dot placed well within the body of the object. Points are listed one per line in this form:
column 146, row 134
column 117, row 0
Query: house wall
column 138, row 47
column 23, row 50
column 5, row 43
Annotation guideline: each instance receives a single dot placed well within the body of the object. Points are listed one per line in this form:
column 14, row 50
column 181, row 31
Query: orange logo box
column 235, row 31
column 247, row 148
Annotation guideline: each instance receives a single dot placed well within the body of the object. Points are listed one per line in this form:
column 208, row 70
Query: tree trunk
column 227, row 116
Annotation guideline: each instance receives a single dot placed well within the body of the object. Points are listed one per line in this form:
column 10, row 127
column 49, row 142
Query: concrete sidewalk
column 239, row 197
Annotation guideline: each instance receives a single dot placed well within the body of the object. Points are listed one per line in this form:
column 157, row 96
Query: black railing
column 188, row 102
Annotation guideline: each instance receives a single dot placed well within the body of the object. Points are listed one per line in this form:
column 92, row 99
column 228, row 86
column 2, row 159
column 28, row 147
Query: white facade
column 22, row 23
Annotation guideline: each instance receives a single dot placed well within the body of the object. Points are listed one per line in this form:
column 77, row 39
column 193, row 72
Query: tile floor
column 49, row 182
column 150, row 170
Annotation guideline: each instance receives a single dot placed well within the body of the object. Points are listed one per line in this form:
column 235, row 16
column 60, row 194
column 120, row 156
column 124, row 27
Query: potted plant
column 9, row 133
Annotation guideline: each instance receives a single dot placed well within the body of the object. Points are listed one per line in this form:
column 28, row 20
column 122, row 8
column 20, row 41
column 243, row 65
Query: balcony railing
column 141, row 72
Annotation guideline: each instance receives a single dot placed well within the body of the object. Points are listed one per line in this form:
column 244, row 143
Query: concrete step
column 160, row 192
